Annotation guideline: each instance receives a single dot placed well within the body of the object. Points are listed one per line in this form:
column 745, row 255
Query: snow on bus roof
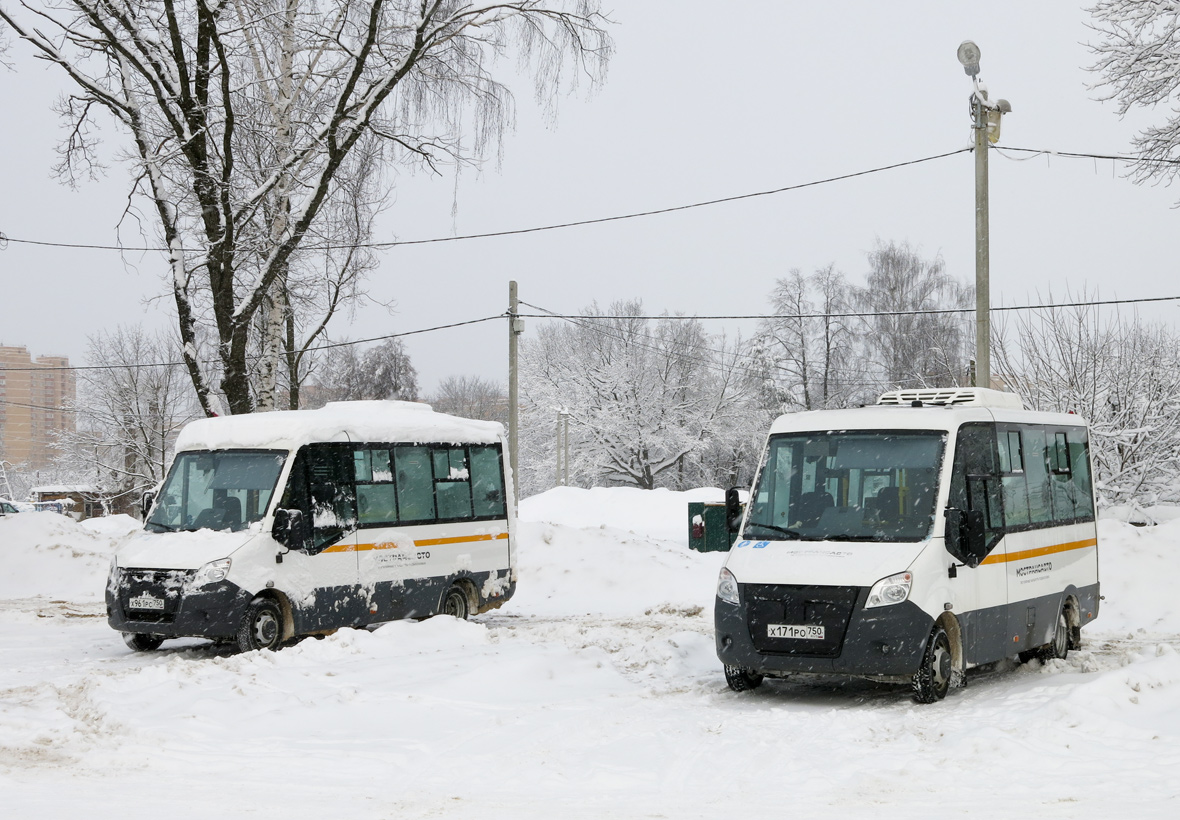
column 358, row 421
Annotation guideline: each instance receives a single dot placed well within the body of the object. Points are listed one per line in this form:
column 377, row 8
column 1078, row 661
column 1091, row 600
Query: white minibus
column 272, row 526
column 910, row 541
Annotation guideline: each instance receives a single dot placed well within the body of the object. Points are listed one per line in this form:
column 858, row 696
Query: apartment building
column 32, row 395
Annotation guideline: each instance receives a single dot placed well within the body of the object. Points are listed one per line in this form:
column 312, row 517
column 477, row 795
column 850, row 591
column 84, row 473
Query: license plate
column 805, row 633
column 146, row 602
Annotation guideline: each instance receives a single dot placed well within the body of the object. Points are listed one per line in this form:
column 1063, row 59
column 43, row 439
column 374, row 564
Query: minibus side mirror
column 145, row 503
column 733, row 510
column 288, row 528
column 965, row 539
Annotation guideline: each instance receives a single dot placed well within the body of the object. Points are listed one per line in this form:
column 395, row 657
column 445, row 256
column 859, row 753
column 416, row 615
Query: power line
column 217, row 361
column 851, row 315
column 553, row 227
column 1130, row 160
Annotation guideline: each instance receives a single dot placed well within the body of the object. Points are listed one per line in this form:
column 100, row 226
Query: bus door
column 322, row 487
column 981, row 593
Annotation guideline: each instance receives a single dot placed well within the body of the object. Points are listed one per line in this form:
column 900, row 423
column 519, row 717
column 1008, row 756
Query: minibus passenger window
column 452, row 488
column 1079, row 451
column 1040, row 507
column 487, row 484
column 415, row 485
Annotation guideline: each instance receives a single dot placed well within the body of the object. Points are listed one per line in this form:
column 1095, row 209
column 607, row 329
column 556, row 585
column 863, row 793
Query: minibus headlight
column 211, row 573
column 891, row 590
column 727, row 587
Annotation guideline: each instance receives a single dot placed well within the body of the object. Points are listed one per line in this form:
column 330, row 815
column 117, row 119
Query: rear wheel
column 261, row 627
column 142, row 643
column 742, row 680
column 456, row 604
column 933, row 679
column 1057, row 648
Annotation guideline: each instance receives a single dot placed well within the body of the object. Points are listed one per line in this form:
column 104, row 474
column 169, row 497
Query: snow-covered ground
column 594, row 693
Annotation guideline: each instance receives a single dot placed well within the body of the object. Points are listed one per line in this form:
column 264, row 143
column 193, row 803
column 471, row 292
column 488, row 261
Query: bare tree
column 1121, row 374
column 645, row 398
column 472, row 397
column 249, row 116
column 381, row 372
column 908, row 342
column 808, row 349
column 130, row 408
column 1138, row 60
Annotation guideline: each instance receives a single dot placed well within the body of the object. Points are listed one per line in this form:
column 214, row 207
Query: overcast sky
column 700, row 103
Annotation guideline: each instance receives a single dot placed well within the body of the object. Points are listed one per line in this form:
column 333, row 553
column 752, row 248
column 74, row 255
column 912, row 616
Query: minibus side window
column 1061, row 478
column 375, row 498
column 1015, row 485
column 1036, row 470
column 1079, row 458
column 415, row 485
column 452, row 483
column 487, row 482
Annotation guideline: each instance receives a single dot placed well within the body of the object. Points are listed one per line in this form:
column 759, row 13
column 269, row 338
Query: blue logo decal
column 761, row 545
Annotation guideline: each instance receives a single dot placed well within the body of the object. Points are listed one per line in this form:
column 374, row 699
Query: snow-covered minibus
column 910, row 541
column 273, row 526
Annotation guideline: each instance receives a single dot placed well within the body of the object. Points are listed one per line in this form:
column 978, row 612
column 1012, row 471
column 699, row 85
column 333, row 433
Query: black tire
column 261, row 627
column 455, row 603
column 933, row 679
column 1057, row 648
column 742, row 680
column 140, row 642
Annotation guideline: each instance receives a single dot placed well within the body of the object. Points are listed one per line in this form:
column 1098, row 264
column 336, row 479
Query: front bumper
column 884, row 641
column 212, row 611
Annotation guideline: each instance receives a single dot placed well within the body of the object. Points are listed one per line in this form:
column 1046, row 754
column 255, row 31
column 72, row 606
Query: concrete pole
column 514, row 331
column 982, row 260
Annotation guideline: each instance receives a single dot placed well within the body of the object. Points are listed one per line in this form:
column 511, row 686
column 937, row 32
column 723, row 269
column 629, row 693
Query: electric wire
column 5, row 369
column 540, row 228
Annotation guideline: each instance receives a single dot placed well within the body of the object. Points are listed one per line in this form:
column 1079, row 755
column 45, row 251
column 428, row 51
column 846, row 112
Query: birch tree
column 251, row 120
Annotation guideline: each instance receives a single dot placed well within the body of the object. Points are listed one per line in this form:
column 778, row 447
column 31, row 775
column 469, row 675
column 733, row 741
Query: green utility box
column 707, row 531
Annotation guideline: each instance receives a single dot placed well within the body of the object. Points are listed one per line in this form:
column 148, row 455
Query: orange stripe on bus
column 1039, row 551
column 425, row 542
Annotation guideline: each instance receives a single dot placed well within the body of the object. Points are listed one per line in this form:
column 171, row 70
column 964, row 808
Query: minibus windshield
column 852, row 485
column 218, row 490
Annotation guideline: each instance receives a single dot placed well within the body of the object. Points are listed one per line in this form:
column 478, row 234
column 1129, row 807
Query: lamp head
column 968, row 55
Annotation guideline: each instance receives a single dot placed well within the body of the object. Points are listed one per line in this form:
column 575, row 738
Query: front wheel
column 261, row 627
column 933, row 679
column 140, row 642
column 742, row 680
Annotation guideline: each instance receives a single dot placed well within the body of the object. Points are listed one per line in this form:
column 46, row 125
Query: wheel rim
column 266, row 629
column 455, row 606
column 940, row 667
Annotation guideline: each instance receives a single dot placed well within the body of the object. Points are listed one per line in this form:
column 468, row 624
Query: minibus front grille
column 151, row 595
column 784, row 605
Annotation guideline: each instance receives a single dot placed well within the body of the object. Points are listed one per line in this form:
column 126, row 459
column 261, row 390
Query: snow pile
column 48, row 555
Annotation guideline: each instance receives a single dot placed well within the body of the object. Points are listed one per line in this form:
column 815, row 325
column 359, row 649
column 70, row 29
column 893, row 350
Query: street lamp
column 985, row 123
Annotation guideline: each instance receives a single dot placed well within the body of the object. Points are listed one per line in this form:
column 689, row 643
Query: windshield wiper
column 161, row 527
column 775, row 528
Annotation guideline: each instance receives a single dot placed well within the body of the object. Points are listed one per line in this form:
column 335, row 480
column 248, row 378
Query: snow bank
column 51, row 556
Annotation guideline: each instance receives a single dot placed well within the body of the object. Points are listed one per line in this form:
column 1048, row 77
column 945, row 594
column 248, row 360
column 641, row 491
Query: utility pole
column 985, row 125
column 515, row 328
column 983, row 330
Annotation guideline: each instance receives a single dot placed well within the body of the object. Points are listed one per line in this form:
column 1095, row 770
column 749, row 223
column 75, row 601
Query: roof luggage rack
column 953, row 397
